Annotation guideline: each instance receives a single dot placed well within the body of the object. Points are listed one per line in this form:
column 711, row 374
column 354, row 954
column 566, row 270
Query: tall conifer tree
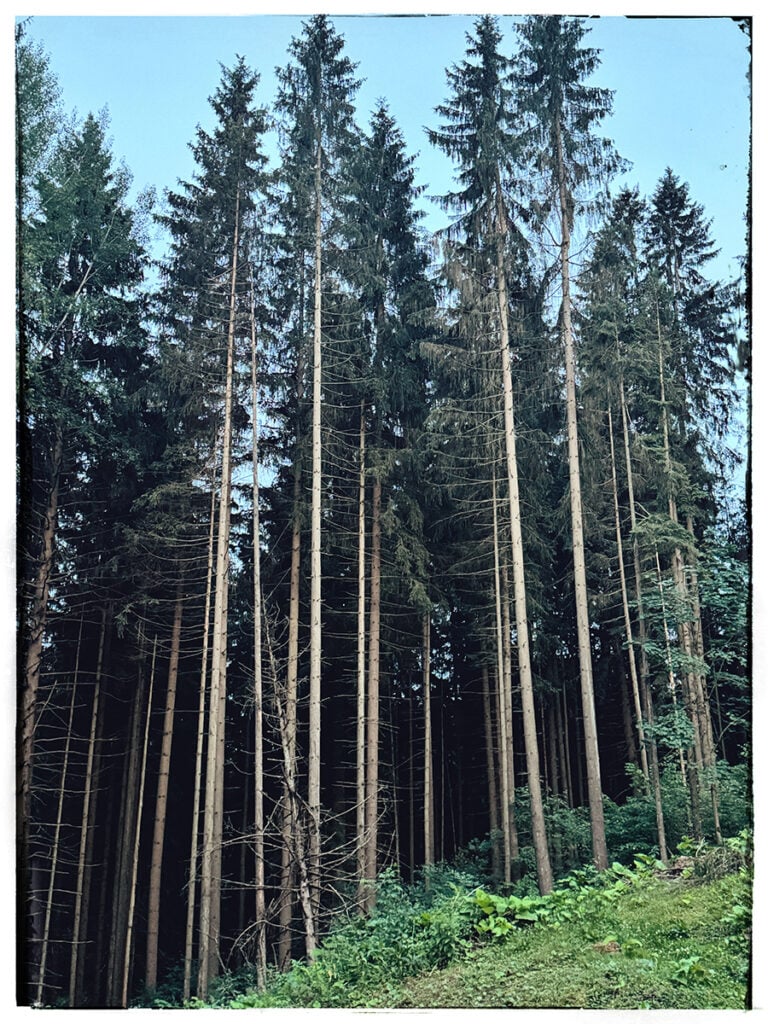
column 478, row 134
column 563, row 110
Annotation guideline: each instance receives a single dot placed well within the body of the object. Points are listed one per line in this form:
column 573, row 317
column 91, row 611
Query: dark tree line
column 344, row 547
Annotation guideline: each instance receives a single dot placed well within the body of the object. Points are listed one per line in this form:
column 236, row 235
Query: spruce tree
column 563, row 112
column 205, row 309
column 315, row 103
column 478, row 134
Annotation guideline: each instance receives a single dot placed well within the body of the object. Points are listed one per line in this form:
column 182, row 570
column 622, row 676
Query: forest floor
column 648, row 937
column 668, row 944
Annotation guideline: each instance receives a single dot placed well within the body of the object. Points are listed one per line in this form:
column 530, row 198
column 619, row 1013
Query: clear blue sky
column 681, row 90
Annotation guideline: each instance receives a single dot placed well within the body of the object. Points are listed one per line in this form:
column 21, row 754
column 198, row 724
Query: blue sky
column 681, row 91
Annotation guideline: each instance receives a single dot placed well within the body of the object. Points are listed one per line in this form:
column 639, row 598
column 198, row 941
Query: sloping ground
column 667, row 944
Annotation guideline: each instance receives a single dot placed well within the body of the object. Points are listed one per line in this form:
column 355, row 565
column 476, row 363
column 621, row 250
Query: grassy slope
column 661, row 945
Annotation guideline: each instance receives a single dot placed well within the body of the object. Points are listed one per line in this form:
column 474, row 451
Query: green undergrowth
column 632, row 937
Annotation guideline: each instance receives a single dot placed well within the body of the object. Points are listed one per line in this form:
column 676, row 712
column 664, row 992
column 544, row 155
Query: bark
column 161, row 798
column 645, row 687
column 504, row 744
column 594, row 786
column 633, row 674
column 298, row 841
column 37, row 620
column 372, row 730
column 360, row 731
column 57, row 829
column 79, row 925
column 92, row 826
column 27, row 903
column 260, row 907
column 210, row 883
column 514, row 842
column 291, row 689
column 128, row 955
column 694, row 817
column 429, row 788
column 490, row 763
column 124, row 841
column 315, row 613
column 538, row 827
column 561, row 731
column 202, row 688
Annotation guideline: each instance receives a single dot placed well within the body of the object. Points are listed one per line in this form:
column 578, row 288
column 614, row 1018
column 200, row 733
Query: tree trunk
column 360, row 803
column 57, row 830
column 37, row 619
column 315, row 613
column 538, row 827
column 429, row 788
column 514, row 842
column 124, row 840
column 299, row 846
column 490, row 762
column 625, row 608
column 594, row 787
column 210, row 882
column 161, row 798
column 202, row 688
column 505, row 748
column 291, row 691
column 27, row 901
column 260, row 906
column 645, row 686
column 374, row 670
column 78, row 924
column 128, row 955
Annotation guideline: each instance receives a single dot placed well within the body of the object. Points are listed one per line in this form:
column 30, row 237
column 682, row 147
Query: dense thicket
column 344, row 548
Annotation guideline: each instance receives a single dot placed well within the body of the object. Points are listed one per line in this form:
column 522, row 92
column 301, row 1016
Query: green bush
column 413, row 929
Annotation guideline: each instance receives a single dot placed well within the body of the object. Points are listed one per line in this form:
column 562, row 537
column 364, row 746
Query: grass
column 628, row 938
column 663, row 945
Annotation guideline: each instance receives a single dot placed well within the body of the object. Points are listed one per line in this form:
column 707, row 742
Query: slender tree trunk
column 411, row 793
column 692, row 788
column 291, row 691
column 202, row 688
column 360, row 803
column 79, row 924
column 315, row 614
column 490, row 761
column 374, row 671
column 260, row 907
column 57, row 829
column 161, row 798
column 561, row 731
column 538, row 827
column 505, row 749
column 124, row 839
column 554, row 781
column 210, row 882
column 709, row 752
column 37, row 620
column 27, row 902
column 93, row 819
column 299, row 845
column 692, row 702
column 101, row 955
column 633, row 674
column 429, row 787
column 645, row 687
column 594, row 786
column 514, row 842
column 128, row 957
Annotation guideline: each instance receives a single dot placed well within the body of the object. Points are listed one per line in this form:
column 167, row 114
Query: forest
column 350, row 552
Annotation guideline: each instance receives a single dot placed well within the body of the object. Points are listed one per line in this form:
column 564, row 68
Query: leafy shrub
column 413, row 929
